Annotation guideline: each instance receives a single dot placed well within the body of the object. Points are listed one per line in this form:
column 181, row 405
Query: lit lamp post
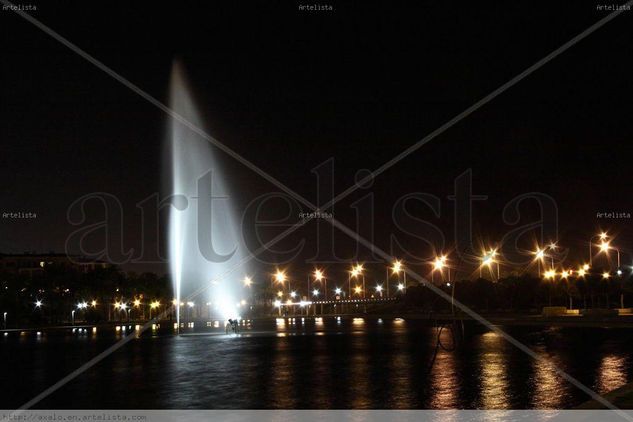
column 488, row 260
column 438, row 265
column 552, row 247
column 379, row 290
column 539, row 256
column 280, row 278
column 320, row 277
column 603, row 239
column 4, row 318
column 152, row 306
column 355, row 272
column 137, row 305
column 397, row 268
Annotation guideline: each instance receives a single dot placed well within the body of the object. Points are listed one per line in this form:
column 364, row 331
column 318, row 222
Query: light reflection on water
column 494, row 372
column 318, row 363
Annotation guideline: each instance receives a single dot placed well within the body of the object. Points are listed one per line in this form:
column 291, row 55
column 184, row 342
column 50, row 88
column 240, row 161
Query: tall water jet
column 205, row 248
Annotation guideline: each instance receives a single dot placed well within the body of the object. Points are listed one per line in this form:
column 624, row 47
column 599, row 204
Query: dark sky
column 290, row 89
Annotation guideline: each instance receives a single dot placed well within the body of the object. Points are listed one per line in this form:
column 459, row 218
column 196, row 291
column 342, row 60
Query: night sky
column 290, row 89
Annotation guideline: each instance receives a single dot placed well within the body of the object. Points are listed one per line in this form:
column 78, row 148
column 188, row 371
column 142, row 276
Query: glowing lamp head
column 438, row 264
column 619, row 272
column 280, row 276
column 277, row 303
column 337, row 290
column 154, row 305
column 293, row 294
column 318, row 275
column 247, row 281
column 137, row 302
column 585, row 267
column 397, row 267
column 606, row 275
column 400, row 287
column 550, row 274
column 540, row 254
column 315, row 292
column 379, row 288
column 191, row 304
column 358, row 289
column 280, row 293
column 564, row 274
column 604, row 246
column 93, row 303
column 603, row 236
column 38, row 303
column 582, row 272
column 123, row 306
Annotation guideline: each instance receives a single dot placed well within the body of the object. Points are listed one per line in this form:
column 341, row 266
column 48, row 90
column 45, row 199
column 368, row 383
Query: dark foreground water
column 328, row 363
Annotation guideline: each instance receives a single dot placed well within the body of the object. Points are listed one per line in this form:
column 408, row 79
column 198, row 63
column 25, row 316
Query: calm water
column 351, row 363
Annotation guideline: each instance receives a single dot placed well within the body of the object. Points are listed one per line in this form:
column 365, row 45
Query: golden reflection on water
column 494, row 373
column 283, row 383
column 612, row 373
column 444, row 377
column 359, row 381
column 548, row 386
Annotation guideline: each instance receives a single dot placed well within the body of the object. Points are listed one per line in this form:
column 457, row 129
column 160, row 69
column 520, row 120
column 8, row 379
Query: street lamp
column 320, row 277
column 153, row 306
column 38, row 303
column 539, row 256
column 488, row 259
column 379, row 290
column 4, row 317
column 247, row 281
column 355, row 272
column 396, row 268
column 280, row 277
column 438, row 265
column 603, row 239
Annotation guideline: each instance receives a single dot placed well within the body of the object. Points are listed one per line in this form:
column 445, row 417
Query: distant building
column 32, row 263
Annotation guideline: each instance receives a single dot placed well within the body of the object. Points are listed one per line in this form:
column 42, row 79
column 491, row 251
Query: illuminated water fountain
column 205, row 246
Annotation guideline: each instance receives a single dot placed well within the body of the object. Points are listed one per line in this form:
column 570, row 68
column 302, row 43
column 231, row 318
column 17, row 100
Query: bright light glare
column 315, row 292
column 604, row 246
column 400, row 286
column 318, row 275
column 280, row 276
column 397, row 267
